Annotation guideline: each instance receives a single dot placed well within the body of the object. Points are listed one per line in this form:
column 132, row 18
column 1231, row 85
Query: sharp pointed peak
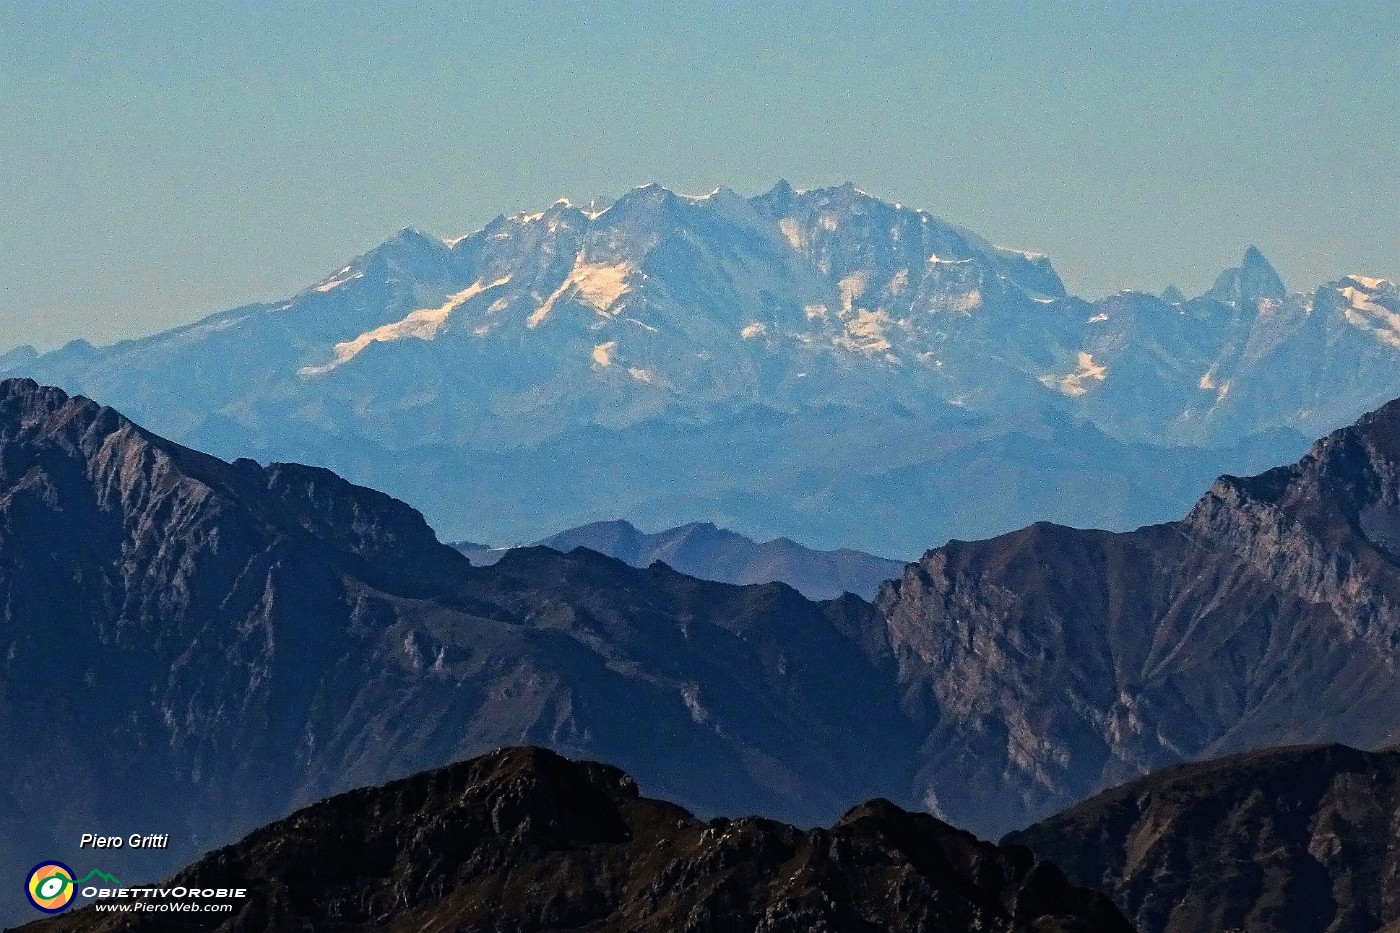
column 777, row 199
column 1246, row 284
column 406, row 238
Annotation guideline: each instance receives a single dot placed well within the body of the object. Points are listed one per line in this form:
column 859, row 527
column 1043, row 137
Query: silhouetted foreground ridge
column 523, row 840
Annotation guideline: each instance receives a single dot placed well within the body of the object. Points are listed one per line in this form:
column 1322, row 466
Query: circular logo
column 50, row 886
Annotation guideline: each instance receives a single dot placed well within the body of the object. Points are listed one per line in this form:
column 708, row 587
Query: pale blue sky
column 158, row 163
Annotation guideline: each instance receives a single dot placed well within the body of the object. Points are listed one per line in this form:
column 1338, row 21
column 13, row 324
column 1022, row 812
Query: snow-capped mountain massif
column 818, row 364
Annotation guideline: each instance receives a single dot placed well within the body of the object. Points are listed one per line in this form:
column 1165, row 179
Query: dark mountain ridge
column 1062, row 661
column 1289, row 840
column 524, row 841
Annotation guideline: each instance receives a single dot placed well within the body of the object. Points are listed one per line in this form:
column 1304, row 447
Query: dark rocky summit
column 522, row 840
column 1292, row 840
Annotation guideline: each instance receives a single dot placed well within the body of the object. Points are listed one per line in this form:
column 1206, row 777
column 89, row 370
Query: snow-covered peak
column 656, row 278
column 1359, row 292
column 1368, row 303
column 827, row 223
column 840, row 230
column 1370, row 284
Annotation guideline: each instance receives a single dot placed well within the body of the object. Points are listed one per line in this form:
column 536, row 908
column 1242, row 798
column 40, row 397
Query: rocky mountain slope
column 195, row 647
column 523, row 840
column 814, row 364
column 1061, row 661
column 699, row 549
column 1294, row 840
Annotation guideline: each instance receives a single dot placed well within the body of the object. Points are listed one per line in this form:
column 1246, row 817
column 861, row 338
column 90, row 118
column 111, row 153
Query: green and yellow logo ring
column 50, row 887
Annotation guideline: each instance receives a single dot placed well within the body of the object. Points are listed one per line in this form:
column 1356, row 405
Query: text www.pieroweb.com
column 122, row 907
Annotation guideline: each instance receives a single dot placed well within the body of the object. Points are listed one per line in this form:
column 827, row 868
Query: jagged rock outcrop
column 523, row 841
column 1291, row 840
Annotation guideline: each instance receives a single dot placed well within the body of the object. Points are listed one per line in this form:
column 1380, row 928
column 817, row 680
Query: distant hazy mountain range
column 815, row 364
column 525, row 841
column 701, row 550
